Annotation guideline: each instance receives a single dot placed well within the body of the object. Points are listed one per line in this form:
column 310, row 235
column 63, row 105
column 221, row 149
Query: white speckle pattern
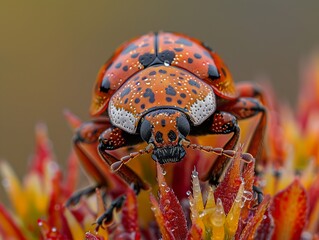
column 122, row 118
column 202, row 109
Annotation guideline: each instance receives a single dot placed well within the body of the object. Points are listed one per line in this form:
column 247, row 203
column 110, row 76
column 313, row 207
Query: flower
column 180, row 205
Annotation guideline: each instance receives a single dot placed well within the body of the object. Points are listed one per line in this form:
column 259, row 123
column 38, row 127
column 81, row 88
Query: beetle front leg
column 247, row 107
column 85, row 144
column 111, row 139
column 223, row 123
column 114, row 138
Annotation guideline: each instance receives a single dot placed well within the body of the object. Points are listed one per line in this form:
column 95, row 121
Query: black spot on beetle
column 168, row 99
column 207, row 54
column 146, row 59
column 159, row 137
column 105, row 86
column 183, row 95
column 143, row 106
column 163, row 122
column 136, row 78
column 173, row 74
column 126, row 100
column 170, row 91
column 145, row 45
column 194, row 83
column 125, row 92
column 149, row 94
column 167, row 42
column 130, row 47
column 139, row 89
column 194, row 91
column 197, row 55
column 118, row 65
column 162, row 71
column 135, row 55
column 213, row 72
column 178, row 49
column 137, row 100
column 172, row 135
column 152, row 73
column 184, row 41
column 144, row 78
column 125, row 68
column 166, row 56
column 179, row 101
column 181, row 78
column 190, row 60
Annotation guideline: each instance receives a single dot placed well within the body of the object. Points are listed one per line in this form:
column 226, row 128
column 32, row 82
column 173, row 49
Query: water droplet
column 166, row 63
column 163, row 172
column 167, row 201
column 188, row 193
column 163, row 184
column 247, row 196
column 153, row 208
column 167, row 189
column 53, row 229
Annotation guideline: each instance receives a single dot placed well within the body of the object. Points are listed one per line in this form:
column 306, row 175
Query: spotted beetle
column 161, row 88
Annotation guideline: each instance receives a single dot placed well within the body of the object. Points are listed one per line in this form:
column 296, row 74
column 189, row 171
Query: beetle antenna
column 246, row 157
column 117, row 165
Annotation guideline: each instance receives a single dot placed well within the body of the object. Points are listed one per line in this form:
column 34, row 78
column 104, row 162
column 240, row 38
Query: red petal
column 43, row 152
column 71, row 174
column 129, row 216
column 250, row 230
column 228, row 188
column 162, row 224
column 171, row 208
column 266, row 228
column 289, row 210
column 8, row 228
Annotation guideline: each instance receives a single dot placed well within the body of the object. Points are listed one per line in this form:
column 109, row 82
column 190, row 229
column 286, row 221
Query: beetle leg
column 114, row 138
column 85, row 144
column 87, row 191
column 107, row 216
column 223, row 123
column 246, row 107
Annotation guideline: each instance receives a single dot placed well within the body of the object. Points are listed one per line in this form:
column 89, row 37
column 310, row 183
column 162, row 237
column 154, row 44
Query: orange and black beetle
column 161, row 88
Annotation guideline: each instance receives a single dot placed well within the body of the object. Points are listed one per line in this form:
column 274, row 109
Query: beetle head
column 165, row 129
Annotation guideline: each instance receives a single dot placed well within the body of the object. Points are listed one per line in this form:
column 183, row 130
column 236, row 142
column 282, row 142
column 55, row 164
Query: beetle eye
column 183, row 125
column 146, row 130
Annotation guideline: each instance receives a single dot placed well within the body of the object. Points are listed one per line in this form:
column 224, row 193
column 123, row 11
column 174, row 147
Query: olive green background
column 50, row 52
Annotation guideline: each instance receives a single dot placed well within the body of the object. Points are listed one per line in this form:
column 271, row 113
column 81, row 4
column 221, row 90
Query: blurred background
column 50, row 52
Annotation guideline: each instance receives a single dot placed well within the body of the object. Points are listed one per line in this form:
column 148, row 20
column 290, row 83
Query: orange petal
column 195, row 233
column 289, row 210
